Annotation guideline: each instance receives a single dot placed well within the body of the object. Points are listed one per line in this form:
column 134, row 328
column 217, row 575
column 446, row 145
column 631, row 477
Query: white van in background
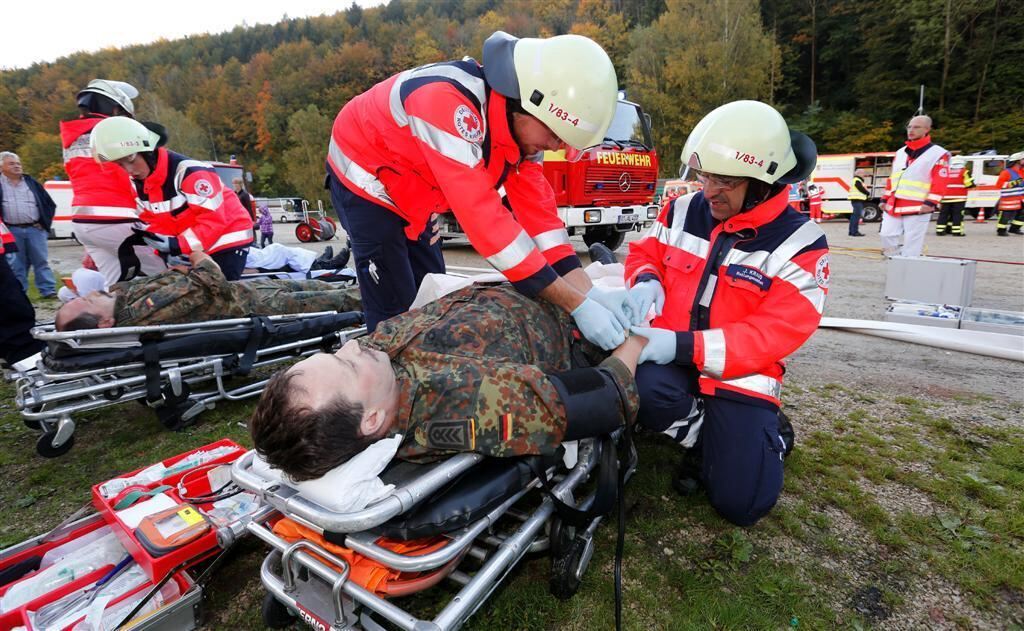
column 282, row 209
column 60, row 191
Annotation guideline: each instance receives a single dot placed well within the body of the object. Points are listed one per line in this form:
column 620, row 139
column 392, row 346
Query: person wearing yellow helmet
column 183, row 202
column 737, row 280
column 452, row 137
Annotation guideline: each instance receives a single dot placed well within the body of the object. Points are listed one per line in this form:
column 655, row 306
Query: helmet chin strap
column 759, row 192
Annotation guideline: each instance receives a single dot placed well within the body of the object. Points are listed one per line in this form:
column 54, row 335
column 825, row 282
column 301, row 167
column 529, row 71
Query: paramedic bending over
column 187, row 207
column 448, row 136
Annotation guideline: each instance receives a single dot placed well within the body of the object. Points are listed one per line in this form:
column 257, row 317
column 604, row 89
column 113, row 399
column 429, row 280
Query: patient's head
column 325, row 409
column 95, row 310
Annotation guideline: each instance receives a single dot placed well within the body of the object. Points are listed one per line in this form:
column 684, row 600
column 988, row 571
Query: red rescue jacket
column 186, row 199
column 436, row 138
column 1011, row 189
column 103, row 193
column 742, row 294
column 6, row 237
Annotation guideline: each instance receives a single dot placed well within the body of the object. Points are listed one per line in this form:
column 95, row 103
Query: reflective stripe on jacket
column 186, row 199
column 858, row 192
column 744, row 293
column 917, row 181
column 436, row 138
column 957, row 184
column 1011, row 189
column 102, row 193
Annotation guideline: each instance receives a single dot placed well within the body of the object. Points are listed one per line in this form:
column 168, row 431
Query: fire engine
column 60, row 191
column 601, row 192
column 834, row 173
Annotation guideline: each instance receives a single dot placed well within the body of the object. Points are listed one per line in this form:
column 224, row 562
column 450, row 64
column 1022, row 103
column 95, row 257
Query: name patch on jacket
column 749, row 274
column 458, row 435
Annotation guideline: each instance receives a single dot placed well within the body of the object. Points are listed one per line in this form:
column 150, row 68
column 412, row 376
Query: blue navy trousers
column 739, row 441
column 389, row 266
column 231, row 262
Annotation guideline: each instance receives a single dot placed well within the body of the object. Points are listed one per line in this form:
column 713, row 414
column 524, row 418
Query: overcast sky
column 43, row 30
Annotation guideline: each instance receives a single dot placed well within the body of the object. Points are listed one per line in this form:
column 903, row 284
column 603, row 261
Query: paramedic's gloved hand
column 598, row 324
column 616, row 300
column 162, row 243
column 647, row 293
column 661, row 344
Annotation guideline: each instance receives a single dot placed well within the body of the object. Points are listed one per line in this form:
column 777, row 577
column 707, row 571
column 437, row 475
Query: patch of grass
column 803, row 566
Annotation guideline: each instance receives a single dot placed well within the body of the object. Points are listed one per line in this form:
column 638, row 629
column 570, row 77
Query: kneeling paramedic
column 103, row 209
column 455, row 136
column 484, row 369
column 183, row 201
column 738, row 280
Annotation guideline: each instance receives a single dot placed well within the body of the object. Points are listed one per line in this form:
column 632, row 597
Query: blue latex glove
column 598, row 324
column 162, row 243
column 645, row 294
column 661, row 344
column 618, row 301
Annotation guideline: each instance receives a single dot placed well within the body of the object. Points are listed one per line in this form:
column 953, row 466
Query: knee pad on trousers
column 593, row 406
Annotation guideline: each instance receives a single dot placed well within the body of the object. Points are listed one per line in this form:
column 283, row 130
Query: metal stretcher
column 491, row 513
column 163, row 367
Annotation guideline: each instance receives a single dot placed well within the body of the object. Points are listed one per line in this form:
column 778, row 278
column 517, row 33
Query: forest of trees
column 845, row 71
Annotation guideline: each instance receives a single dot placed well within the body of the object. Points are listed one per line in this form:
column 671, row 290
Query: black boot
column 336, row 262
column 600, row 253
column 326, row 255
column 687, row 480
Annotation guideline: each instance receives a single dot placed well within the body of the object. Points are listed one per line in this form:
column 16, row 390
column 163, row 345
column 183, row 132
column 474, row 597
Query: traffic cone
column 981, row 215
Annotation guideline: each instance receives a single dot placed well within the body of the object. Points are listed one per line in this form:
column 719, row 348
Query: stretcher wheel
column 567, row 568
column 33, row 424
column 275, row 614
column 304, row 232
column 46, row 449
column 571, row 550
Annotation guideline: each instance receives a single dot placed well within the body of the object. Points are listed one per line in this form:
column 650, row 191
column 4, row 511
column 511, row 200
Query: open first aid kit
column 131, row 564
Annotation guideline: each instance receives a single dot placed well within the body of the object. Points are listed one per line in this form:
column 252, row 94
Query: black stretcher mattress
column 59, row 357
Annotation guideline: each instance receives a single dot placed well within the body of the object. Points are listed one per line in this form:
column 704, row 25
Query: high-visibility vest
column 1011, row 193
column 855, row 193
column 103, row 193
column 913, row 182
column 956, row 186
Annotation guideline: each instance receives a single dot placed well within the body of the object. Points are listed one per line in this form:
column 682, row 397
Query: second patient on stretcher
column 484, row 369
column 197, row 295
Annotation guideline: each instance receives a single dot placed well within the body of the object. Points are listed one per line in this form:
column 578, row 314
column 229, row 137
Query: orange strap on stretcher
column 371, row 574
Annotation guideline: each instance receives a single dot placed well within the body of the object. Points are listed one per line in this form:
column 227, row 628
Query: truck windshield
column 629, row 126
column 228, row 173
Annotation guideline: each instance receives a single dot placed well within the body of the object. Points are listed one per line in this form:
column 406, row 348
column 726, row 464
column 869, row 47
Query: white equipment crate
column 930, row 280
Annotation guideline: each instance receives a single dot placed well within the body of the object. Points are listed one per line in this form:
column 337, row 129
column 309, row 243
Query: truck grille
column 606, row 184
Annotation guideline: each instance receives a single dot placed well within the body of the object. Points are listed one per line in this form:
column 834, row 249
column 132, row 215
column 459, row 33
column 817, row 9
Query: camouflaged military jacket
column 203, row 294
column 472, row 373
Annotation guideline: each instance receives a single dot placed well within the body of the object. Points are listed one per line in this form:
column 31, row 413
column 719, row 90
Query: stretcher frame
column 320, row 594
column 48, row 399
